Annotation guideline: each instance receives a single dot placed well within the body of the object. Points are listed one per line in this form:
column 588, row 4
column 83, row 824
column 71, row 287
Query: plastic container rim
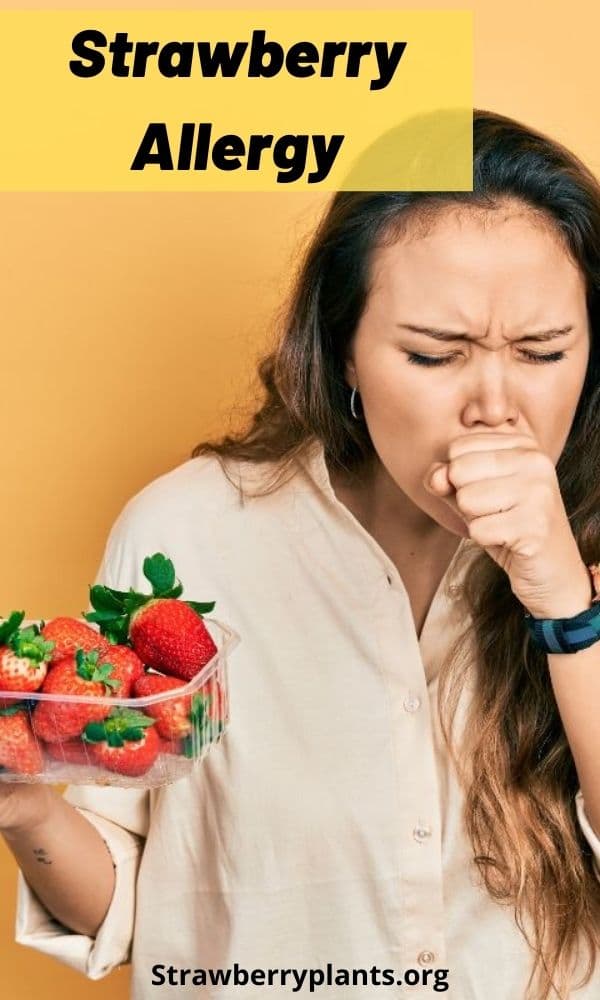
column 230, row 642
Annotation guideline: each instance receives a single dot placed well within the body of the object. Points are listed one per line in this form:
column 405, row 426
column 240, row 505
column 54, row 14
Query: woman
column 409, row 786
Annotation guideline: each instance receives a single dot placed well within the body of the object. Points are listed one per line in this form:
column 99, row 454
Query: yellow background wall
column 130, row 327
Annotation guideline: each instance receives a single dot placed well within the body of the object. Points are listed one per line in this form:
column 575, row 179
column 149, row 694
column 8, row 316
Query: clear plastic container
column 176, row 758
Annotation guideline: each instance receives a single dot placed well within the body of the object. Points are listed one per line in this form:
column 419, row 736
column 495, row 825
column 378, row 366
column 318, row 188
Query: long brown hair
column 514, row 761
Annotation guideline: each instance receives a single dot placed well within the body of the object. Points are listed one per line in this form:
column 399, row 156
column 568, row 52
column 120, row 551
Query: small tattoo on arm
column 41, row 855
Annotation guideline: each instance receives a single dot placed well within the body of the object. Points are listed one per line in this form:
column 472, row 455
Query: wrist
column 25, row 810
column 569, row 603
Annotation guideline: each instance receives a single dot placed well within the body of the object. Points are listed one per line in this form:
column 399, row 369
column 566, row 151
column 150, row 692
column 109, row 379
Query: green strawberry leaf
column 121, row 725
column 81, row 661
column 118, row 633
column 101, row 616
column 134, row 601
column 199, row 704
column 90, row 670
column 19, row 706
column 188, row 747
column 115, row 630
column 92, row 616
column 105, row 599
column 160, row 572
column 132, row 734
column 173, row 593
column 103, row 674
column 94, row 732
column 114, row 739
column 29, row 643
column 10, row 626
column 201, row 609
column 123, row 718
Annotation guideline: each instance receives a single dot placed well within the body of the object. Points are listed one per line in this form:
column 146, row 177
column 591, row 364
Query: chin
column 448, row 520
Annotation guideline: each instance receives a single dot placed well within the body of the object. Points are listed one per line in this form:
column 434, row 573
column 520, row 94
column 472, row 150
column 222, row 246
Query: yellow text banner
column 235, row 100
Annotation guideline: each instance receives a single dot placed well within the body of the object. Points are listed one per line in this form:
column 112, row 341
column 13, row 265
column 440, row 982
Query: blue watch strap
column 566, row 635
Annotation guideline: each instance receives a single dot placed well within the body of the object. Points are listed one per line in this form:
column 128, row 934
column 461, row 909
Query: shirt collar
column 313, row 461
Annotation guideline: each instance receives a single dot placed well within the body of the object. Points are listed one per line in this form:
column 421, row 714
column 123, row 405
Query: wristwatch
column 569, row 635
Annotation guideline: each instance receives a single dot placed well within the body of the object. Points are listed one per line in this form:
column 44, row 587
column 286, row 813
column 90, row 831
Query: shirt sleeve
column 121, row 816
column 589, row 834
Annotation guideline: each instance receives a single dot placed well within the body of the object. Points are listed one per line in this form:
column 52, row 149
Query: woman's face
column 494, row 284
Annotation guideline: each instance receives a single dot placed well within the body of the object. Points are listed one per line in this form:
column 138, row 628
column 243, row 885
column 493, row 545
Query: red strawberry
column 69, row 751
column 217, row 706
column 172, row 715
column 19, row 749
column 77, row 675
column 169, row 636
column 190, row 720
column 166, row 633
column 24, row 656
column 69, row 635
column 126, row 742
column 171, row 746
column 126, row 667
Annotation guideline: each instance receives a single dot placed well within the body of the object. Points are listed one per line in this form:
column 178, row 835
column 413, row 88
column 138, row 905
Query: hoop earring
column 352, row 407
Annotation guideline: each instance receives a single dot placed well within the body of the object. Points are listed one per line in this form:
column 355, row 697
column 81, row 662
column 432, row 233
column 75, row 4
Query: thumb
column 436, row 481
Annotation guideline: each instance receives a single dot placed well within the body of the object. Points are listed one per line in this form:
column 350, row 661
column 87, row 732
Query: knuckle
column 455, row 450
column 478, row 532
column 465, row 500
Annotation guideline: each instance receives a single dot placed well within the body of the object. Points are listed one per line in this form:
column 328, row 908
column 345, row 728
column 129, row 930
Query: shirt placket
column 421, row 939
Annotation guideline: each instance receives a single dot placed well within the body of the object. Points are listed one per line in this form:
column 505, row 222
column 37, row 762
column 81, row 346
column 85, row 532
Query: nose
column 490, row 394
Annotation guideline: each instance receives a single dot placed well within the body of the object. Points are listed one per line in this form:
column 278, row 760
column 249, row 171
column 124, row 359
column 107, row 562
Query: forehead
column 467, row 259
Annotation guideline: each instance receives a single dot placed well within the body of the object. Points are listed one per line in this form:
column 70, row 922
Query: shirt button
column 421, row 832
column 425, row 957
column 412, row 702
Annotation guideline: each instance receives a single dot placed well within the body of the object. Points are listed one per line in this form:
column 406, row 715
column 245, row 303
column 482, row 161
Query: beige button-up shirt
column 324, row 832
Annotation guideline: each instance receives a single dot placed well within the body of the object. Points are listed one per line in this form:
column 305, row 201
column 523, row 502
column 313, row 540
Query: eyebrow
column 551, row 334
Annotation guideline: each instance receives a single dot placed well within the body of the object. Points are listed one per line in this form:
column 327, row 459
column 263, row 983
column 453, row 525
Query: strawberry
column 19, row 749
column 126, row 742
column 126, row 666
column 190, row 720
column 69, row 635
column 73, row 751
column 173, row 716
column 170, row 636
column 24, row 656
column 171, row 746
column 77, row 675
column 217, row 703
column 166, row 633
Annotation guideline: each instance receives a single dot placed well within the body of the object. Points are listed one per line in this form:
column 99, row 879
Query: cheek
column 549, row 406
column 408, row 420
column 397, row 397
column 406, row 425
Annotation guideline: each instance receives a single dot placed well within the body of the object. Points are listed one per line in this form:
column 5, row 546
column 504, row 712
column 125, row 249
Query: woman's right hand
column 23, row 806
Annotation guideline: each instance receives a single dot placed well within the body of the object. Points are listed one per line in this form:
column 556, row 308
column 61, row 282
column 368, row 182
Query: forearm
column 67, row 864
column 575, row 679
column 576, row 682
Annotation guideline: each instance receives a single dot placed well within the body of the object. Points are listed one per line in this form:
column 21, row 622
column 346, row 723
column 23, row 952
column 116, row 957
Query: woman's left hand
column 506, row 491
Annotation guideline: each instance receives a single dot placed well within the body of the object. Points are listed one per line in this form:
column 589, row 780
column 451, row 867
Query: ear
column 350, row 372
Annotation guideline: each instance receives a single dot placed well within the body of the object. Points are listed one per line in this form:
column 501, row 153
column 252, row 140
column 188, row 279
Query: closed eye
column 434, row 361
